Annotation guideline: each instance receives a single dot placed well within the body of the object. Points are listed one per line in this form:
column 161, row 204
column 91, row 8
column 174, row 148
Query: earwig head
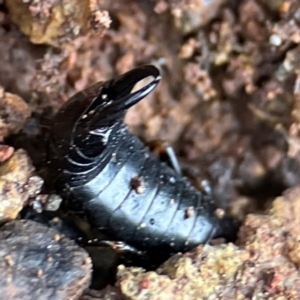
column 117, row 95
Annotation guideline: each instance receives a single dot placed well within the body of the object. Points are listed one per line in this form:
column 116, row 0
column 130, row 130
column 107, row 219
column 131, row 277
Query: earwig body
column 122, row 188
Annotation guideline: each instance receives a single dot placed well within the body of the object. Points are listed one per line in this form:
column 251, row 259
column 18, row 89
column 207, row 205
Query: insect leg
column 173, row 159
column 166, row 153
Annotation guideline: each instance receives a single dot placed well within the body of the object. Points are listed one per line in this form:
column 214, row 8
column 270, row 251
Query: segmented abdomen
column 141, row 200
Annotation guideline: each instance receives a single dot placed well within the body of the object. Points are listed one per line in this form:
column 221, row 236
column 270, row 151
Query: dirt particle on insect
column 9, row 260
column 39, row 273
column 189, row 212
column 219, row 213
column 137, row 184
column 56, row 237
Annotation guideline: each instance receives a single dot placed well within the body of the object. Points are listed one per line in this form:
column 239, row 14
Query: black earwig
column 121, row 187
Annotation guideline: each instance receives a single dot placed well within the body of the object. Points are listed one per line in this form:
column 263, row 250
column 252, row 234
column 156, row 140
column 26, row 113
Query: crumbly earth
column 14, row 112
column 228, row 101
column 108, row 293
column 57, row 22
column 18, row 182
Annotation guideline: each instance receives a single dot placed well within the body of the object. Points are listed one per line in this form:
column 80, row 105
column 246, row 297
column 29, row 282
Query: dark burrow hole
column 268, row 189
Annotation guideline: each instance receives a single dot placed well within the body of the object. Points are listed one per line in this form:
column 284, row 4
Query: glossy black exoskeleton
column 121, row 187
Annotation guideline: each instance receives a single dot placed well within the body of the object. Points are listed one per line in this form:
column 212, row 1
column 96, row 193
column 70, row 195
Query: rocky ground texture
column 228, row 104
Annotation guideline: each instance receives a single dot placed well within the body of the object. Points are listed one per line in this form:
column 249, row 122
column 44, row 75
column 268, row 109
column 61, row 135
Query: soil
column 227, row 103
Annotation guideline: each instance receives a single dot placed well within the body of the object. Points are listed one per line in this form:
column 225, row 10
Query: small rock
column 190, row 15
column 55, row 22
column 17, row 184
column 38, row 263
column 14, row 111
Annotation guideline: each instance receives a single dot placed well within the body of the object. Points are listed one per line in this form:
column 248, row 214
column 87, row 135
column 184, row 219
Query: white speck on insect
column 104, row 133
column 172, row 180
